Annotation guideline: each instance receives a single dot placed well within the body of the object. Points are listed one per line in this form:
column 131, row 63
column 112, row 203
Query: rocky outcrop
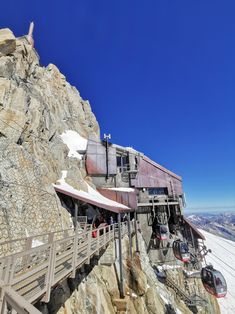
column 7, row 42
column 99, row 293
column 37, row 105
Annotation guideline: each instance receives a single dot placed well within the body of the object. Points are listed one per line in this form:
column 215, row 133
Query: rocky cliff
column 38, row 107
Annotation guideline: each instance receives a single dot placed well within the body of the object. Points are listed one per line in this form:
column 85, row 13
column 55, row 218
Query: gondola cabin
column 161, row 232
column 181, row 251
column 214, row 282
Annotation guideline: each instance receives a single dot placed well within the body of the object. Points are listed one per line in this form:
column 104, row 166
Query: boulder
column 12, row 123
column 7, row 42
column 6, row 66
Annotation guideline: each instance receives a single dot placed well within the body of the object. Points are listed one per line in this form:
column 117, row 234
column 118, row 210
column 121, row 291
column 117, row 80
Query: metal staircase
column 29, row 275
column 190, row 300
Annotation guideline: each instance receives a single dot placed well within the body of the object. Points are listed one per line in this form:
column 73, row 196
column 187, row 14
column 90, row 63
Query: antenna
column 107, row 136
column 30, row 33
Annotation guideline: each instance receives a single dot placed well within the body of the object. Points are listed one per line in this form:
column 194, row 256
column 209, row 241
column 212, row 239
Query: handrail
column 9, row 298
column 32, row 272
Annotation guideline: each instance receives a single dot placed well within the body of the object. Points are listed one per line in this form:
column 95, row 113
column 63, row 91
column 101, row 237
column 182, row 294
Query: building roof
column 93, row 198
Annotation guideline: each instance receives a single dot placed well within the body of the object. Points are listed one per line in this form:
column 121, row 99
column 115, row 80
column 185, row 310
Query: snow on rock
column 223, row 259
column 92, row 194
column 122, row 189
column 166, row 267
column 166, row 301
column 35, row 242
column 75, row 143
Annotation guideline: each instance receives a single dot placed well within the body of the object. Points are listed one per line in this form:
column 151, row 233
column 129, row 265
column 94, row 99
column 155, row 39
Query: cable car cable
column 223, row 261
column 225, row 248
column 222, row 266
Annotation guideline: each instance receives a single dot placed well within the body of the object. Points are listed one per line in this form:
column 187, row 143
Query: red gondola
column 161, row 232
column 213, row 281
column 181, row 251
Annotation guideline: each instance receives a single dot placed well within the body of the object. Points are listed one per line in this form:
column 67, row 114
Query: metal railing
column 30, row 273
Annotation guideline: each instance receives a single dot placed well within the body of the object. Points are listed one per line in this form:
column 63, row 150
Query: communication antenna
column 107, row 137
column 30, row 34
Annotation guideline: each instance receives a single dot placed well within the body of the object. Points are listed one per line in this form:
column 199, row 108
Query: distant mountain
column 222, row 224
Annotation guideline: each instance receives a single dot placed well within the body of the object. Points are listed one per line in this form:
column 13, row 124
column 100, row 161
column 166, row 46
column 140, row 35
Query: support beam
column 136, row 233
column 129, row 233
column 76, row 216
column 192, row 237
column 121, row 283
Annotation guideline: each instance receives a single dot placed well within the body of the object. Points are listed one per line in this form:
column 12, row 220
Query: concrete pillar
column 76, row 216
column 129, row 233
column 136, row 233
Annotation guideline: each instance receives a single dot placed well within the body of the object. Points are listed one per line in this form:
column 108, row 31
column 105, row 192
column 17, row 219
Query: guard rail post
column 51, row 268
column 75, row 253
column 89, row 246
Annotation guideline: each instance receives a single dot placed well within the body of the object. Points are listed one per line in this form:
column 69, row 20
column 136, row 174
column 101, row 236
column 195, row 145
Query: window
column 123, row 162
column 158, row 191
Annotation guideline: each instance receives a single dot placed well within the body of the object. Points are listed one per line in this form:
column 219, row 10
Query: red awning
column 194, row 229
column 96, row 200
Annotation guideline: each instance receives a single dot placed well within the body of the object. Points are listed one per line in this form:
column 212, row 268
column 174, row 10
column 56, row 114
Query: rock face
column 98, row 292
column 7, row 42
column 36, row 106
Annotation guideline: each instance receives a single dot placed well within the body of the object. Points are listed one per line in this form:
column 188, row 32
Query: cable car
column 213, row 281
column 181, row 251
column 161, row 232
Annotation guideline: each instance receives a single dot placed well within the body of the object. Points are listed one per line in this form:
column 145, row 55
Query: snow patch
column 166, row 301
column 165, row 267
column 131, row 149
column 35, row 242
column 75, row 142
column 92, row 194
column 122, row 189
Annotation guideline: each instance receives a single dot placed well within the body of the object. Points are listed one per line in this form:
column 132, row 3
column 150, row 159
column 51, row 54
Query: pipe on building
column 121, row 283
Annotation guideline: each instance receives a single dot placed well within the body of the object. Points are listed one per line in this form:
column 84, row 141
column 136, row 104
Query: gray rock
column 7, row 42
column 6, row 67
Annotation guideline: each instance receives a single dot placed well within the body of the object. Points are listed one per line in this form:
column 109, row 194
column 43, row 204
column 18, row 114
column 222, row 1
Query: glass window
column 184, row 248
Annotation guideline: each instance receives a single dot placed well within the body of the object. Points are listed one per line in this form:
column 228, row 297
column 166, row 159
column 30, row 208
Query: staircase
column 29, row 275
column 189, row 300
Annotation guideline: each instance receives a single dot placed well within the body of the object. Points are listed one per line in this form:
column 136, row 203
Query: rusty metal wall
column 152, row 175
column 127, row 198
column 96, row 159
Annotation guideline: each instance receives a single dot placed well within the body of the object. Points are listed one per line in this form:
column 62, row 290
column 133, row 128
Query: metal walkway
column 189, row 300
column 43, row 261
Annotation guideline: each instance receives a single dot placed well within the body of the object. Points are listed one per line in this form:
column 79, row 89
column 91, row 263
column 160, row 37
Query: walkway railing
column 43, row 261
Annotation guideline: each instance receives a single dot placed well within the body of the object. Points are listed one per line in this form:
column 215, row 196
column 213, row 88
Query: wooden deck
column 31, row 273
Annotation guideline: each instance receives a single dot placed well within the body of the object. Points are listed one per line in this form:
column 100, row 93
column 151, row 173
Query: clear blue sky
column 160, row 76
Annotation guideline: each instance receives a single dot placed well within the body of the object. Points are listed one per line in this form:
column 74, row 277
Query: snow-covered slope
column 223, row 259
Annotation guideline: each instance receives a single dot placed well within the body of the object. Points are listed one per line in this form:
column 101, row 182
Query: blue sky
column 160, row 76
